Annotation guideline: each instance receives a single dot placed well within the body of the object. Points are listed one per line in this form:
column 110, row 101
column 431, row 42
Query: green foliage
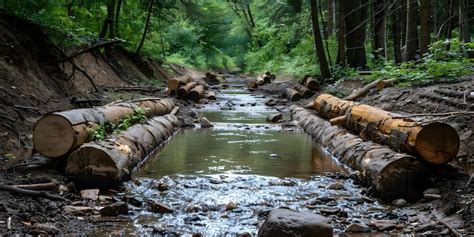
column 100, row 132
column 438, row 65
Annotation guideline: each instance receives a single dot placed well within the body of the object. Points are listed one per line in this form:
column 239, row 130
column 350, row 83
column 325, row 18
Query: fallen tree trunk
column 176, row 82
column 260, row 81
column 362, row 91
column 385, row 83
column 33, row 193
column 210, row 95
column 252, row 84
column 303, row 90
column 393, row 175
column 105, row 163
column 183, row 90
column 196, row 93
column 60, row 133
column 311, row 83
column 292, row 94
column 271, row 75
column 436, row 143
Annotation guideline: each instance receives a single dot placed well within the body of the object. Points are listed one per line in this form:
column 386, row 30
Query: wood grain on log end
column 437, row 143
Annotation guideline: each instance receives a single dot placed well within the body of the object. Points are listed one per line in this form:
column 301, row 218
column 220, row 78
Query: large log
column 252, row 84
column 260, row 81
column 183, row 90
column 393, row 175
column 436, row 143
column 176, row 82
column 105, row 163
column 303, row 90
column 60, row 133
column 362, row 91
column 310, row 82
column 291, row 94
column 196, row 93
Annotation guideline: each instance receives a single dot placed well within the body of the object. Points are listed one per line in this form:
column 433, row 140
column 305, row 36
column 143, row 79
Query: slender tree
column 318, row 42
column 331, row 17
column 397, row 30
column 379, row 28
column 411, row 41
column 108, row 24
column 464, row 35
column 147, row 23
column 341, row 38
column 117, row 16
column 425, row 14
column 356, row 26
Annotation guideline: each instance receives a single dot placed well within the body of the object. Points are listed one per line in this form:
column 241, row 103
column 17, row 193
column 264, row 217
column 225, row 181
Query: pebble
column 358, row 228
column 205, row 123
column 273, row 155
column 431, row 197
column 230, row 206
column 336, row 186
column 399, row 202
column 159, row 207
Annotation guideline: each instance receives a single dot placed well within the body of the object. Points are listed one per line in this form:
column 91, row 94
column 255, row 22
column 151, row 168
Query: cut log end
column 437, row 143
column 54, row 136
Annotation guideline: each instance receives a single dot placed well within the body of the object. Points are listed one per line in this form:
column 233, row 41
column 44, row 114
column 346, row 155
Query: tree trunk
column 379, row 24
column 311, row 83
column 464, row 35
column 403, row 9
column 411, row 45
column 58, row 134
column 436, row 143
column 117, row 15
column 183, row 90
column 397, row 31
column 108, row 24
column 196, row 93
column 145, row 30
column 105, row 163
column 341, row 38
column 451, row 23
column 291, row 94
column 331, row 17
column 318, row 42
column 355, row 19
column 303, row 90
column 425, row 29
column 393, row 175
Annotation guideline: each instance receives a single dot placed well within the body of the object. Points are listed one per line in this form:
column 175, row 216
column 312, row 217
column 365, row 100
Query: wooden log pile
column 310, row 82
column 176, row 82
column 211, row 79
column 105, row 163
column 185, row 88
column 58, row 134
column 392, row 174
column 433, row 142
column 261, row 80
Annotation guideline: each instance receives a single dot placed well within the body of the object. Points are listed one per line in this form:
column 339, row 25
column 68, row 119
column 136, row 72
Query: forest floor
column 33, row 83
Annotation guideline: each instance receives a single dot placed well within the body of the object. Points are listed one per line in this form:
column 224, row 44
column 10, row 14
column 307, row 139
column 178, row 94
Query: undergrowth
column 100, row 132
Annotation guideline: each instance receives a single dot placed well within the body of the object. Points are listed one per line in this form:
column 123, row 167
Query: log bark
column 260, row 81
column 210, row 95
column 103, row 164
column 60, row 133
column 303, row 90
column 183, row 90
column 436, row 143
column 382, row 84
column 311, row 83
column 252, row 84
column 176, row 82
column 362, row 91
column 393, row 175
column 196, row 93
column 292, row 94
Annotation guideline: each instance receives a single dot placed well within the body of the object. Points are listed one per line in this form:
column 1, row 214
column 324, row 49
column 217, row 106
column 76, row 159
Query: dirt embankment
column 33, row 82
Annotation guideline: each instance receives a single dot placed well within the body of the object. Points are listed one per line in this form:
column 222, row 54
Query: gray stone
column 336, row 186
column 432, row 191
column 92, row 194
column 159, row 207
column 399, row 202
column 284, row 222
column 358, row 228
column 230, row 206
column 205, row 123
column 431, row 197
column 114, row 209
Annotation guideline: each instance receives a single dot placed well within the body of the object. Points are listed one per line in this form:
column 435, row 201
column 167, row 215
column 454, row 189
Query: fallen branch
column 40, row 186
column 437, row 114
column 90, row 48
column 362, row 91
column 33, row 193
column 451, row 229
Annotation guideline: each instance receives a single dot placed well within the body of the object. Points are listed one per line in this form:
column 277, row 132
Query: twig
column 31, row 192
column 32, row 109
column 437, row 114
column 88, row 49
column 451, row 229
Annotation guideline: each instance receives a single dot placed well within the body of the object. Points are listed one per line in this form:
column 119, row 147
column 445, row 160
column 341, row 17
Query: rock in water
column 399, row 202
column 159, row 207
column 114, row 209
column 284, row 222
column 336, row 186
column 230, row 206
column 205, row 123
column 358, row 228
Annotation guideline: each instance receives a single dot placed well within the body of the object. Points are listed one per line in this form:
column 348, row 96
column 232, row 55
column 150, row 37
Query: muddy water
column 247, row 162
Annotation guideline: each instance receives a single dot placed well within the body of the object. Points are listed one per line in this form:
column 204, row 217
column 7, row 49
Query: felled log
column 196, row 93
column 271, row 75
column 303, row 90
column 39, row 186
column 176, row 82
column 211, row 79
column 60, row 133
column 33, row 193
column 252, row 84
column 210, row 95
column 260, row 81
column 183, row 90
column 385, row 83
column 362, row 91
column 393, row 175
column 436, row 143
column 292, row 94
column 310, row 82
column 274, row 118
column 102, row 164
